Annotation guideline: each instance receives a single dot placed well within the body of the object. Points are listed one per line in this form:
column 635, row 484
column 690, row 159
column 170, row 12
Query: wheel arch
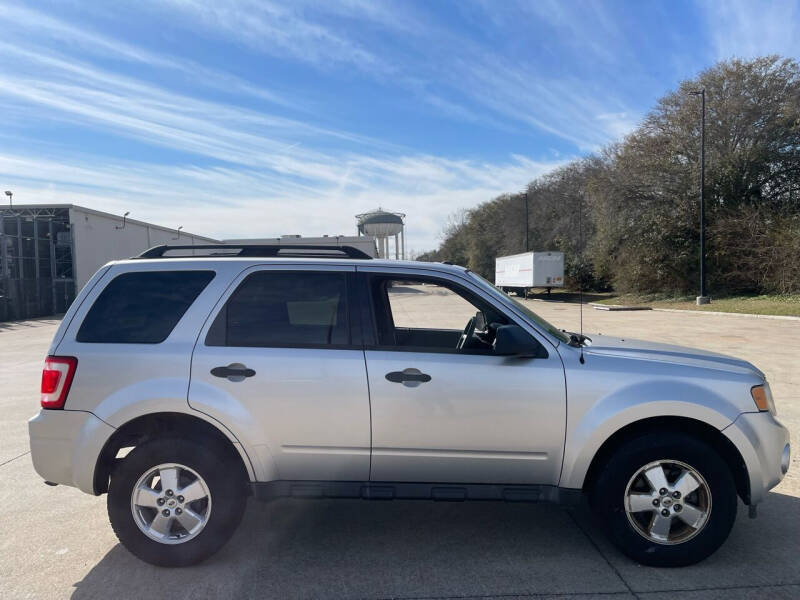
column 153, row 425
column 726, row 449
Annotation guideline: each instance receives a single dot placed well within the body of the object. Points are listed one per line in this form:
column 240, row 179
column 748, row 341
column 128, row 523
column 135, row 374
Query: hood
column 607, row 345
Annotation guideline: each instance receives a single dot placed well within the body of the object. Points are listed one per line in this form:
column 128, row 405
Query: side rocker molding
column 388, row 490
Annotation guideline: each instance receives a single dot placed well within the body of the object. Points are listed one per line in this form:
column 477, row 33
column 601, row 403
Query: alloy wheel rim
column 171, row 503
column 667, row 502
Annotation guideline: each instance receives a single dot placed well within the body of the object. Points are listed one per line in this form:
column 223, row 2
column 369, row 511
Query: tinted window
column 284, row 308
column 142, row 308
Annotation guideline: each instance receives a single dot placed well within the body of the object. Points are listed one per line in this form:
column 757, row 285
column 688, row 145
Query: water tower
column 382, row 225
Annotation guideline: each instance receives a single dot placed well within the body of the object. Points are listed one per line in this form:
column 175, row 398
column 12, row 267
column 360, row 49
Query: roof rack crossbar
column 261, row 251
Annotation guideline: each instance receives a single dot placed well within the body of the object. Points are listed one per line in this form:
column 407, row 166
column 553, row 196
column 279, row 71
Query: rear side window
column 143, row 307
column 284, row 309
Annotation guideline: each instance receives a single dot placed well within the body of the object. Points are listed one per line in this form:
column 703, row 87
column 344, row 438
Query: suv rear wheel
column 666, row 499
column 174, row 503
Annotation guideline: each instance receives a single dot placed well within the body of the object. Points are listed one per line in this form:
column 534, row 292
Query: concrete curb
column 729, row 314
column 693, row 312
column 619, row 307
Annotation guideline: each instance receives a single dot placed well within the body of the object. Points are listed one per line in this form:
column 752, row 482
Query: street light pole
column 527, row 247
column 703, row 298
column 9, row 193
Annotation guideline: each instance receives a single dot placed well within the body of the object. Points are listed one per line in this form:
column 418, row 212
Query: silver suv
column 184, row 380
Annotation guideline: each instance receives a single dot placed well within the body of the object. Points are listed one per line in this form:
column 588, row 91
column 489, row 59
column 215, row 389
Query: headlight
column 762, row 396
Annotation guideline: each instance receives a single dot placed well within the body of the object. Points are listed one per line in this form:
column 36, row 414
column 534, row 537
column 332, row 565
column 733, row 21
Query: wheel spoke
column 686, row 483
column 660, row 526
column 193, row 491
column 169, row 478
column 146, row 496
column 691, row 515
column 161, row 524
column 640, row 502
column 656, row 478
column 189, row 519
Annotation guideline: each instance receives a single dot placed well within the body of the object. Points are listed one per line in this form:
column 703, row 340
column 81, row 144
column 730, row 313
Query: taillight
column 56, row 379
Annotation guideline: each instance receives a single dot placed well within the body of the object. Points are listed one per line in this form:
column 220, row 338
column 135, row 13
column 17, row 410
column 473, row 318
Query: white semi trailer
column 520, row 272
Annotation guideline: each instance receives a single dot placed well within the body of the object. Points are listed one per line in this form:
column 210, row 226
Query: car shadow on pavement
column 406, row 549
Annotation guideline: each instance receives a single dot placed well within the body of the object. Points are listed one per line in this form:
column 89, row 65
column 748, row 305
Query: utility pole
column 703, row 298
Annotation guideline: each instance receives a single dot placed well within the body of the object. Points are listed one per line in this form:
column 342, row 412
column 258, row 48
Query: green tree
column 638, row 199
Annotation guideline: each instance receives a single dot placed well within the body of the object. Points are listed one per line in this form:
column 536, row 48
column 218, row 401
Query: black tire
column 225, row 484
column 607, row 497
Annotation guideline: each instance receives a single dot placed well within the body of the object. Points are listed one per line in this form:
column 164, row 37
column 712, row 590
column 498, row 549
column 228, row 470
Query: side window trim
column 363, row 309
column 359, row 311
column 378, row 301
column 221, row 305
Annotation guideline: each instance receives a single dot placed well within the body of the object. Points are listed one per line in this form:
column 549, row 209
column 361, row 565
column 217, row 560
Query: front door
column 444, row 407
column 278, row 364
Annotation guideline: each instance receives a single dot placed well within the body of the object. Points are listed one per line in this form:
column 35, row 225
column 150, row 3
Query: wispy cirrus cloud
column 747, row 29
column 463, row 78
column 278, row 28
column 236, row 161
column 396, row 45
column 27, row 24
column 213, row 114
column 239, row 202
column 131, row 107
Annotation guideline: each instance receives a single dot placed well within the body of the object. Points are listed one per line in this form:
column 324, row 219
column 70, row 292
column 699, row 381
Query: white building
column 49, row 251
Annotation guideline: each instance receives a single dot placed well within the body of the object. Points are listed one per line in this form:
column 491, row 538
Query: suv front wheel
column 666, row 499
column 173, row 502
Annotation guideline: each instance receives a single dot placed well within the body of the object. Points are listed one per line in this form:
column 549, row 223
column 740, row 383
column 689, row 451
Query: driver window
column 420, row 305
column 430, row 316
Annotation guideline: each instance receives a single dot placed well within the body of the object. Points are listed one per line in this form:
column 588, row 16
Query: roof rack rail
column 259, row 250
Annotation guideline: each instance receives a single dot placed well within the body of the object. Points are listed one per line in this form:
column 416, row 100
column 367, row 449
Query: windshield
column 548, row 327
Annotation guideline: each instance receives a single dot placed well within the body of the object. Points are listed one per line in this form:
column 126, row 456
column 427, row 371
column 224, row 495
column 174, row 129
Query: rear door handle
column 234, row 372
column 408, row 377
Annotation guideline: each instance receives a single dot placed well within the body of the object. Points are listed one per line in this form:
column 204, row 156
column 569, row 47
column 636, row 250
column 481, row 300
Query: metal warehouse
column 48, row 252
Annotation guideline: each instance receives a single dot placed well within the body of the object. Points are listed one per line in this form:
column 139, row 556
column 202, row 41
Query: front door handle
column 234, row 372
column 408, row 377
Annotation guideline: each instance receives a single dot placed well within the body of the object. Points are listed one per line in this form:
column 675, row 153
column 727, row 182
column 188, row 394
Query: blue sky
column 245, row 118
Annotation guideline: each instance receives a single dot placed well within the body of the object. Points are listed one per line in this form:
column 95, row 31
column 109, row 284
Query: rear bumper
column 65, row 445
column 763, row 443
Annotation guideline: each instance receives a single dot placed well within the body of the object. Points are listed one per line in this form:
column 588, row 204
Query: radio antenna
column 580, row 269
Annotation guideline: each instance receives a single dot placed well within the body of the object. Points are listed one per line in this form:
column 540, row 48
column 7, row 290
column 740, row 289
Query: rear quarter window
column 142, row 307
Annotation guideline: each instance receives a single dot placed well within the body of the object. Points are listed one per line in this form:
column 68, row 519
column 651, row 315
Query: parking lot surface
column 57, row 543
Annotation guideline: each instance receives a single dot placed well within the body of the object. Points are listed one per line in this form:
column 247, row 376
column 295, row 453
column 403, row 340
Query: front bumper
column 65, row 445
column 762, row 441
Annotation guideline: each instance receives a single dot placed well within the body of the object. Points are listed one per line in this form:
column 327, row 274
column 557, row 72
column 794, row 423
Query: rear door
column 441, row 413
column 278, row 357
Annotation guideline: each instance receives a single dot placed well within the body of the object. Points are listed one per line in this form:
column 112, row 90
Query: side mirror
column 513, row 340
